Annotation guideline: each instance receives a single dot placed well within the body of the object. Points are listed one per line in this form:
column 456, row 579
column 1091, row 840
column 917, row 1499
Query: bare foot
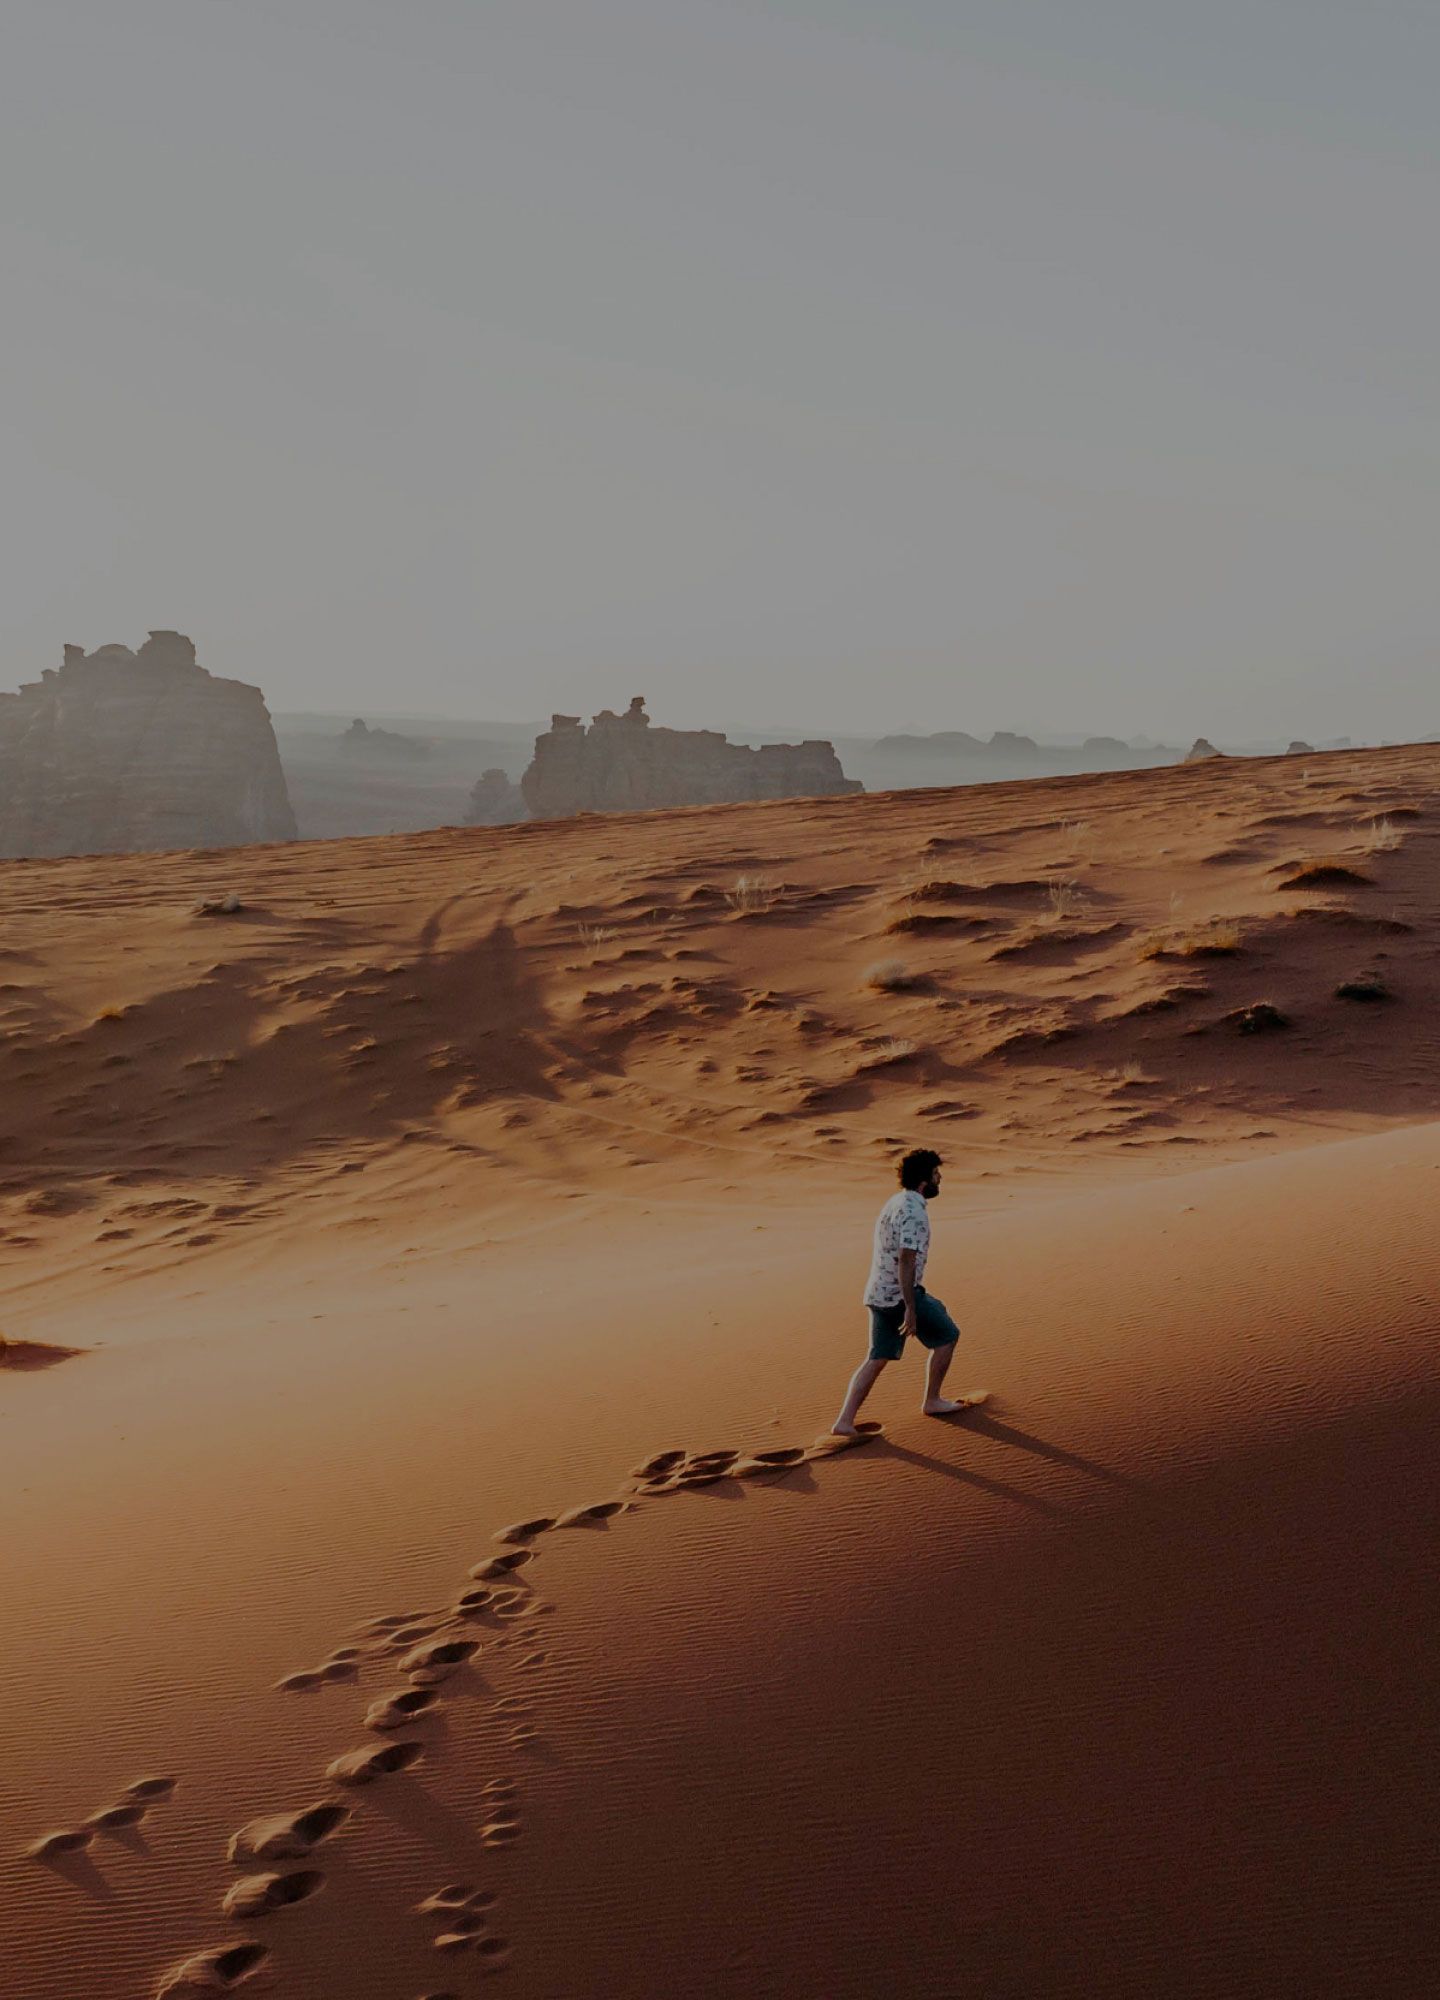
column 940, row 1406
column 841, row 1429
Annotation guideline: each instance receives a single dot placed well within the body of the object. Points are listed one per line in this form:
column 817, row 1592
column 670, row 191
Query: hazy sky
column 858, row 363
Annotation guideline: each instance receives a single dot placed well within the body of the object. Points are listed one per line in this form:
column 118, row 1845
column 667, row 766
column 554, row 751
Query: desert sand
column 427, row 1287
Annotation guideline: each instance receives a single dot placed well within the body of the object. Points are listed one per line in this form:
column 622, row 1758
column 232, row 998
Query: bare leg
column 861, row 1383
column 936, row 1405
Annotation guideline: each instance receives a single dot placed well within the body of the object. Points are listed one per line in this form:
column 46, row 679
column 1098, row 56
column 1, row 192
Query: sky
column 906, row 364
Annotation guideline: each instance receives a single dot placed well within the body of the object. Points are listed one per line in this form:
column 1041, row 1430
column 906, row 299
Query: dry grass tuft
column 751, row 893
column 1384, row 838
column 897, row 1049
column 1214, row 940
column 892, row 975
column 1262, row 1017
column 1065, row 897
column 594, row 935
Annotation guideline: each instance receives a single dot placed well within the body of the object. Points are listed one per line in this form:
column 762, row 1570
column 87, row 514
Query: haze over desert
column 719, row 1000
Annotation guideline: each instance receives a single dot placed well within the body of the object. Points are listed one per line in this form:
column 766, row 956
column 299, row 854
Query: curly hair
column 917, row 1167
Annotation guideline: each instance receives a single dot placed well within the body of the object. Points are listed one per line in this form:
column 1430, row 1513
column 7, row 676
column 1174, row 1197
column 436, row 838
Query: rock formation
column 621, row 764
column 1300, row 748
column 116, row 751
column 495, row 800
column 381, row 746
column 1200, row 749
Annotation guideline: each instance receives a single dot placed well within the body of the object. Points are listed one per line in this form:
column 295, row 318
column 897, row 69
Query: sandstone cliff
column 117, row 751
column 621, row 764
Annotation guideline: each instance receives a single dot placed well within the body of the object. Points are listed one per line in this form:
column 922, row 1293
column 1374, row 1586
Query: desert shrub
column 1384, row 836
column 1065, row 897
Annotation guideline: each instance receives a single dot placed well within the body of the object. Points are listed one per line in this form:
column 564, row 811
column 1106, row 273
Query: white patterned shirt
column 902, row 1224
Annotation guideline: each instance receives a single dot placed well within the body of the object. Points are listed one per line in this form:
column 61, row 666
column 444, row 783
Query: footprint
column 523, row 1531
column 284, row 1835
column 262, row 1895
column 827, row 1444
column 364, row 1766
column 502, row 1565
column 65, row 1840
column 467, row 1924
column 440, row 1659
column 151, row 1788
column 214, row 1971
column 659, row 1465
column 393, row 1711
column 699, row 1475
column 129, row 1814
column 407, row 1635
column 454, row 1896
column 710, row 1458
column 470, row 1602
column 343, row 1653
column 788, row 1454
column 601, row 1510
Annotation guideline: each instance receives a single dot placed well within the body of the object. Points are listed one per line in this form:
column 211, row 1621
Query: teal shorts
column 933, row 1327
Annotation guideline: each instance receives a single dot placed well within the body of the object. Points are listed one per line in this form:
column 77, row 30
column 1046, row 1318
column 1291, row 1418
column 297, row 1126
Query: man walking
column 899, row 1303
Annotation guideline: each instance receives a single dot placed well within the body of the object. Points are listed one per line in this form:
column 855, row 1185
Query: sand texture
column 431, row 1264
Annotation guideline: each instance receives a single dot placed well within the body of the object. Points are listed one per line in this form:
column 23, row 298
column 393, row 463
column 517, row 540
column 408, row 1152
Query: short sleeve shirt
column 902, row 1224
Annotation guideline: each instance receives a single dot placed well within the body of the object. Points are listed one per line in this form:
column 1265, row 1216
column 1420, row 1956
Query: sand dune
column 465, row 1234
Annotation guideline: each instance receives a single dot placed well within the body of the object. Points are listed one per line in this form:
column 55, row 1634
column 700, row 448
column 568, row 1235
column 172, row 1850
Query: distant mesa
column 1200, row 749
column 952, row 755
column 621, row 764
column 381, row 746
column 115, row 752
column 495, row 800
column 1300, row 748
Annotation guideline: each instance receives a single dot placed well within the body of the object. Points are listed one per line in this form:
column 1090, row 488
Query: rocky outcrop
column 381, row 746
column 118, row 751
column 495, row 800
column 621, row 764
column 1200, row 749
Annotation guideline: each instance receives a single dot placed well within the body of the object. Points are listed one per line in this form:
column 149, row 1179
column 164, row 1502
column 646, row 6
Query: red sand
column 1123, row 1683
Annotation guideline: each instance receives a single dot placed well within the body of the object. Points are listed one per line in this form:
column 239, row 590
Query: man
column 899, row 1303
